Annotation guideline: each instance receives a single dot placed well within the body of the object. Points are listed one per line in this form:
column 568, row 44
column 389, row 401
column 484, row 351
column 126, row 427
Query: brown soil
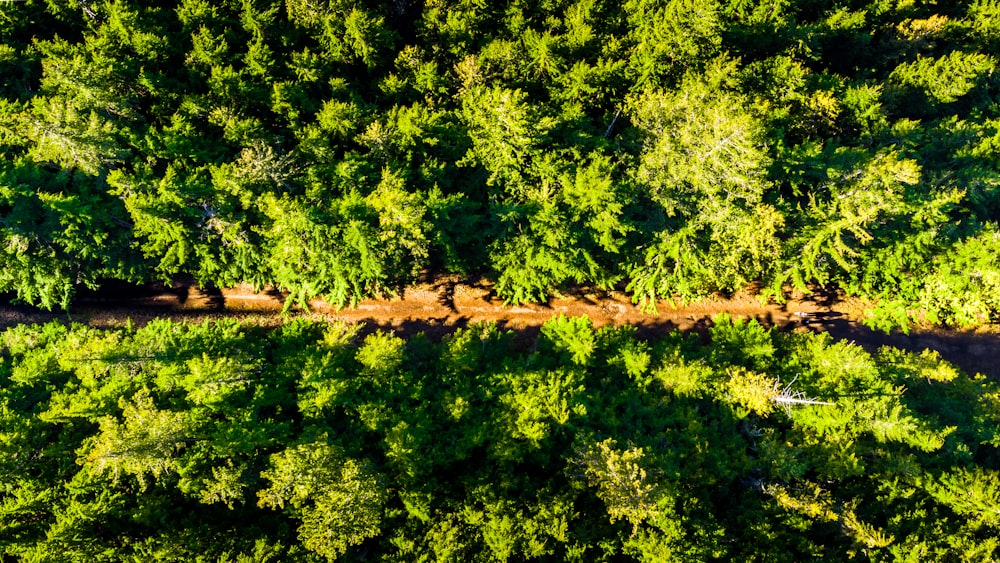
column 438, row 307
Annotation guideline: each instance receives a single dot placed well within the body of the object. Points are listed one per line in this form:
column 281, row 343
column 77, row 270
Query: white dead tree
column 786, row 397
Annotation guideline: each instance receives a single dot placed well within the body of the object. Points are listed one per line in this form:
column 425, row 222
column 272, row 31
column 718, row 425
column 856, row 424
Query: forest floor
column 438, row 307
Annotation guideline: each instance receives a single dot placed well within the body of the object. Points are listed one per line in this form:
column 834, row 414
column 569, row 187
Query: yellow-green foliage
column 309, row 441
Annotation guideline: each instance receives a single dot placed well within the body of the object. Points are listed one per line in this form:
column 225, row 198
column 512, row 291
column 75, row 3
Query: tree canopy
column 340, row 149
column 315, row 442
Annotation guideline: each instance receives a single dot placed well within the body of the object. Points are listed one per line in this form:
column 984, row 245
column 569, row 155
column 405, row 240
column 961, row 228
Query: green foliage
column 506, row 134
column 671, row 36
column 741, row 341
column 948, row 78
column 626, row 488
column 145, row 443
column 962, row 288
column 573, row 337
column 698, row 149
column 970, row 493
column 863, row 195
column 567, row 226
column 752, row 392
column 357, row 248
column 223, row 442
column 339, row 501
column 704, row 166
column 58, row 231
column 339, row 150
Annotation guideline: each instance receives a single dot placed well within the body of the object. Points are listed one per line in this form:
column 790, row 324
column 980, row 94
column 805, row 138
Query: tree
column 145, row 443
column 704, row 166
column 844, row 211
column 338, row 500
column 946, row 79
column 569, row 226
column 59, row 230
column 625, row 486
column 670, row 37
column 349, row 249
column 506, row 134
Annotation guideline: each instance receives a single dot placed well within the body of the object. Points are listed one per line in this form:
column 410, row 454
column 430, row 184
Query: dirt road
column 438, row 307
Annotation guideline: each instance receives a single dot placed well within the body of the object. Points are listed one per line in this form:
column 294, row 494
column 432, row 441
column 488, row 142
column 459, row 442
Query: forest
column 667, row 148
column 344, row 149
column 317, row 441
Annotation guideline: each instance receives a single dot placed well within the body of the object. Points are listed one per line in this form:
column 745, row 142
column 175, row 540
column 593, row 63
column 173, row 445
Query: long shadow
column 433, row 328
column 214, row 300
column 584, row 294
column 115, row 302
column 446, row 297
column 114, row 293
column 13, row 314
column 973, row 353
